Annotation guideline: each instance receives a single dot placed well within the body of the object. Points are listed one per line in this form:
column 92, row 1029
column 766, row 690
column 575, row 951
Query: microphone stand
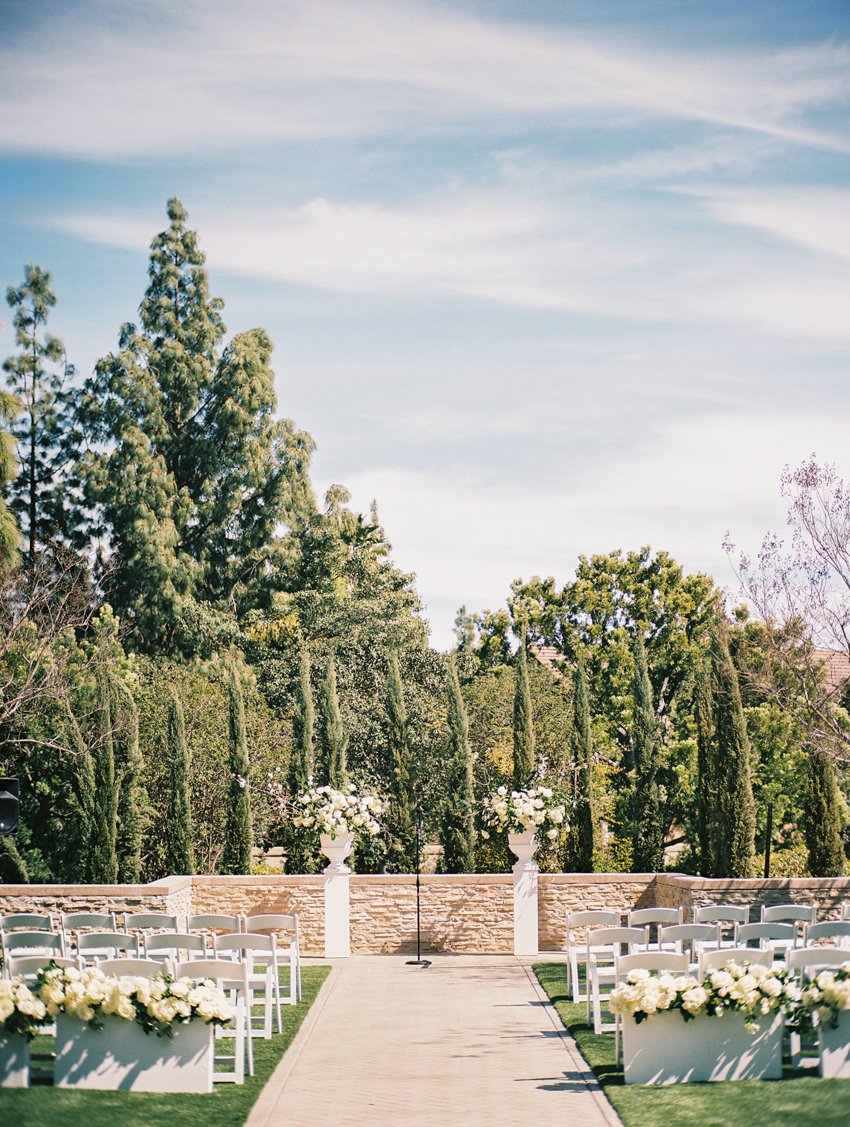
column 418, row 961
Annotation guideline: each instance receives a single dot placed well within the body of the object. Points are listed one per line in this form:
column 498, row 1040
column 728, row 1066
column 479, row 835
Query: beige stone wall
column 828, row 893
column 559, row 893
column 172, row 896
column 267, row 894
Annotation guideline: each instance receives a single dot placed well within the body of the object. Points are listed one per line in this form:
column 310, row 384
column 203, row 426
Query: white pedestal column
column 525, row 893
column 337, row 913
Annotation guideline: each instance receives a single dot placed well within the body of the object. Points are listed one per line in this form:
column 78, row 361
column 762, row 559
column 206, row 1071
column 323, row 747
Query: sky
column 544, row 278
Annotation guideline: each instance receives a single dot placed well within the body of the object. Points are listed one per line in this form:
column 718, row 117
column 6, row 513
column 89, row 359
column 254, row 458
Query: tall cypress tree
column 709, row 821
column 648, row 849
column 129, row 767
column 399, row 817
column 179, row 843
column 82, row 825
column 334, row 738
column 822, row 820
column 580, row 839
column 303, row 724
column 524, row 761
column 458, row 821
column 9, row 532
column 104, row 866
column 238, row 837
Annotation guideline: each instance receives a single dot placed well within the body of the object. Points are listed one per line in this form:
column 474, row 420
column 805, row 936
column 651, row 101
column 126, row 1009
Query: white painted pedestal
column 121, row 1056
column 14, row 1061
column 337, row 911
column 525, row 893
column 835, row 1049
column 666, row 1049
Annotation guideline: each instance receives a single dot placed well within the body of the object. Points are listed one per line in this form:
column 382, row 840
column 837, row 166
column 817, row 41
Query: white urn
column 523, row 846
column 337, row 847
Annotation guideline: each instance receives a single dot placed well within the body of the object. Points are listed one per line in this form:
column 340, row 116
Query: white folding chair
column 131, row 968
column 778, row 938
column 716, row 960
column 92, row 946
column 836, row 930
column 604, row 945
column 28, row 967
column 41, row 944
column 798, row 915
column 577, row 949
column 25, row 921
column 174, row 946
column 74, row 922
column 232, row 977
column 657, row 962
column 806, row 963
column 653, row 918
column 697, row 937
column 149, row 921
column 729, row 916
column 288, row 952
column 845, row 911
column 258, row 952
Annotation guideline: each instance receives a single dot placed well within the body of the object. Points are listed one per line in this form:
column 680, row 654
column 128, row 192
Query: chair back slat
column 712, row 960
column 670, row 962
column 131, row 968
column 789, row 913
column 92, row 921
column 721, row 913
column 697, row 935
column 810, row 960
column 149, row 921
column 41, row 942
column 172, row 943
column 829, row 929
column 29, row 967
column 25, row 921
column 642, row 917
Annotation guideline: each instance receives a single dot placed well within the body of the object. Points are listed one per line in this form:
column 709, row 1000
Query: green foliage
column 398, row 821
column 580, row 841
column 129, row 769
column 458, row 820
column 104, row 858
column 179, row 844
column 334, row 738
column 648, row 850
column 9, row 532
column 524, row 759
column 303, row 724
column 822, row 826
column 238, row 836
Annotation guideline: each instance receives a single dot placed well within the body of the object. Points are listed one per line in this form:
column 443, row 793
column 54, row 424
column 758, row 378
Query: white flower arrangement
column 21, row 1011
column 750, row 989
column 325, row 810
column 827, row 996
column 157, row 1003
column 539, row 809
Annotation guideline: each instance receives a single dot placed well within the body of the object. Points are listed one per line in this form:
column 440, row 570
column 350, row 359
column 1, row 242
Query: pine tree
column 129, row 768
column 179, row 844
column 104, row 863
column 303, row 725
column 458, row 822
column 191, row 476
column 580, row 840
column 238, row 838
column 648, row 849
column 38, row 377
column 334, row 738
column 399, row 817
column 9, row 532
column 822, row 822
column 524, row 761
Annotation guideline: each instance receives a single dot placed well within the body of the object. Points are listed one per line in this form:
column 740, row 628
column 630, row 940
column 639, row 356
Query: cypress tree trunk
column 399, row 817
column 129, row 766
column 648, row 851
column 458, row 823
column 238, row 836
column 104, row 864
column 822, row 821
column 334, row 739
column 580, row 840
column 708, row 791
column 524, row 762
column 179, row 844
column 736, row 815
column 303, row 724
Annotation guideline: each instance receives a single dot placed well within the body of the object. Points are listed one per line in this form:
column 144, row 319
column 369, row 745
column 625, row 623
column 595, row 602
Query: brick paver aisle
column 468, row 1041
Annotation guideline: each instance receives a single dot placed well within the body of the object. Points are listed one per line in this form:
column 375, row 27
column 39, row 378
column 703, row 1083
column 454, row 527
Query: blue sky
column 543, row 278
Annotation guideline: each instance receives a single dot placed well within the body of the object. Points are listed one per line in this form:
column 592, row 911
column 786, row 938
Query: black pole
column 418, row 961
column 768, row 835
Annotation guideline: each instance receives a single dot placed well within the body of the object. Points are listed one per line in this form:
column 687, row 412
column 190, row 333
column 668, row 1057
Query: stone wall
column 466, row 913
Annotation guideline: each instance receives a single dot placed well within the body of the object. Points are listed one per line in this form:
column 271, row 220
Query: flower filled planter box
column 121, row 1056
column 835, row 1048
column 14, row 1061
column 666, row 1049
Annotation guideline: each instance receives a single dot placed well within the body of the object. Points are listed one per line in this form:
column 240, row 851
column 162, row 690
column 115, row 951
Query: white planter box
column 835, row 1049
column 666, row 1049
column 122, row 1056
column 14, row 1061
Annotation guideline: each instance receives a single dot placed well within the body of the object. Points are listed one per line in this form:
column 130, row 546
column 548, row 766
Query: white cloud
column 107, row 79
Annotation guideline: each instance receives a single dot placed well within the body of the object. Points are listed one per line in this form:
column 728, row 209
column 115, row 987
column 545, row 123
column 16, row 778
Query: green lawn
column 796, row 1099
column 227, row 1106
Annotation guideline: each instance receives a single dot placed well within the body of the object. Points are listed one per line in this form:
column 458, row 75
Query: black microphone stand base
column 418, row 963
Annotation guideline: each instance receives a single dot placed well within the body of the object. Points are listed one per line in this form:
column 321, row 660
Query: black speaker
column 10, row 806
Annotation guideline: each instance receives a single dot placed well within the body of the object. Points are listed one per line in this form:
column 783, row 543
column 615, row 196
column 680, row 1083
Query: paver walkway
column 470, row 1040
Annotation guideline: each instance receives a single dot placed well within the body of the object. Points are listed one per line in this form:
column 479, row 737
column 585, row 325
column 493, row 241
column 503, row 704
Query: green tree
column 37, row 376
column 303, row 725
column 9, row 532
column 104, row 863
column 709, row 784
column 238, row 834
column 179, row 842
column 648, row 851
column 524, row 761
column 129, row 769
column 334, row 739
column 191, row 476
column 458, row 821
column 399, row 817
column 580, row 839
column 822, row 820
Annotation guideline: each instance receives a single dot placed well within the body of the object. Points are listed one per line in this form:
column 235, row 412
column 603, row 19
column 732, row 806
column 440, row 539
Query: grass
column 797, row 1098
column 227, row 1106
